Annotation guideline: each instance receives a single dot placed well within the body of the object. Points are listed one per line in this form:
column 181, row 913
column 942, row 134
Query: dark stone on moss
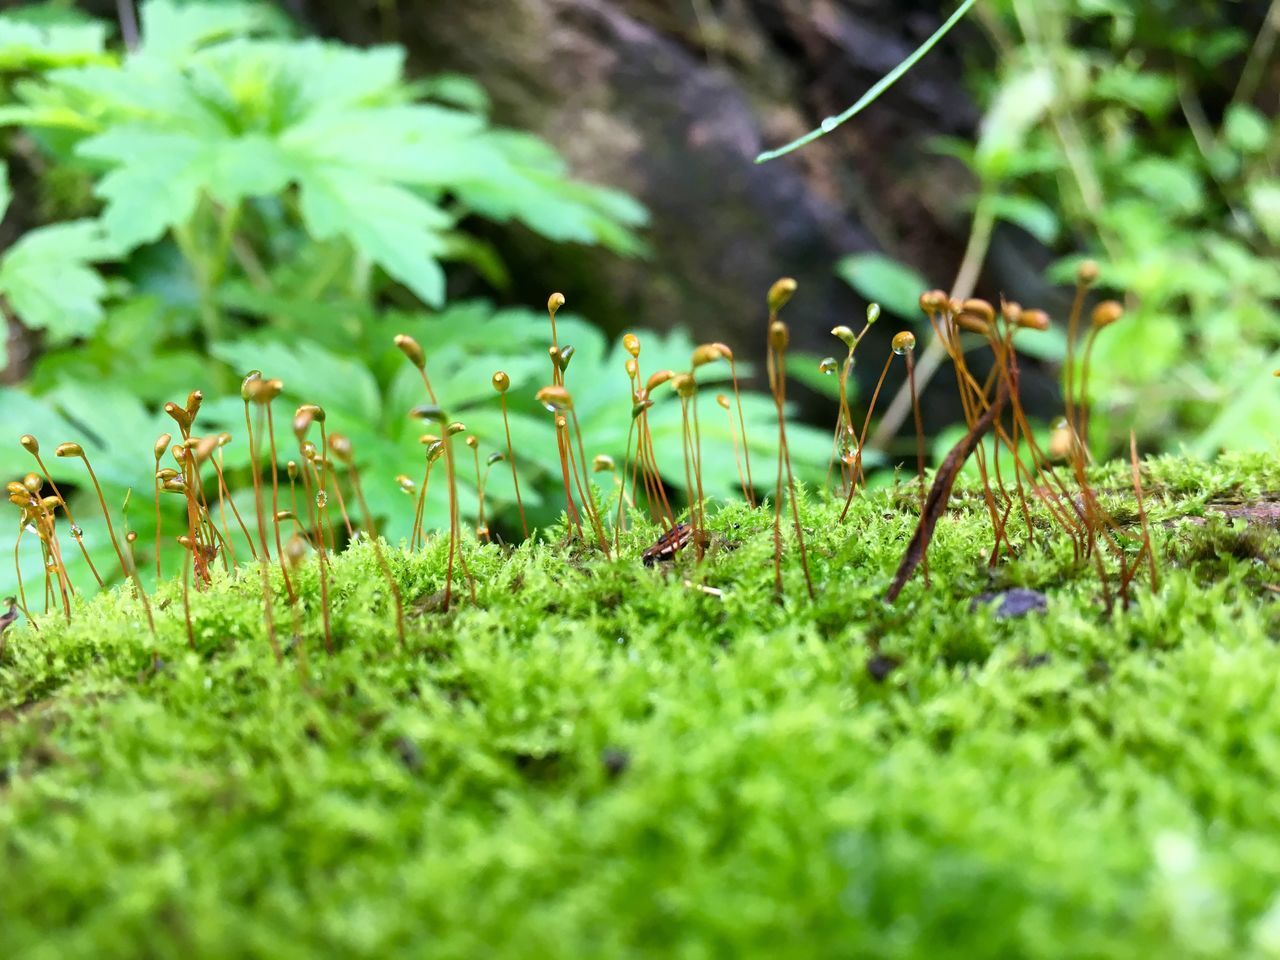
column 1017, row 602
column 880, row 665
column 408, row 753
column 615, row 761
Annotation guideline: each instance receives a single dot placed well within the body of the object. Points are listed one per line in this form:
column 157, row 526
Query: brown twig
column 936, row 503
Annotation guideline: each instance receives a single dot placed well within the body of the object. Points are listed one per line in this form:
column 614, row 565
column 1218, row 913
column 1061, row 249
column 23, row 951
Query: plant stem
column 975, row 253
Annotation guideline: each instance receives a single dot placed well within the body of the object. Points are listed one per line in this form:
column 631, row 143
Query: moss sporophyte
column 1018, row 478
column 646, row 690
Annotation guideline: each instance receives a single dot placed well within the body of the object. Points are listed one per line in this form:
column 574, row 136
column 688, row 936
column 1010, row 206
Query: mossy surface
column 598, row 759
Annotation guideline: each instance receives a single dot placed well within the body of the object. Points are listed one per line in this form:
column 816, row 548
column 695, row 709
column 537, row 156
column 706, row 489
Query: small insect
column 669, row 544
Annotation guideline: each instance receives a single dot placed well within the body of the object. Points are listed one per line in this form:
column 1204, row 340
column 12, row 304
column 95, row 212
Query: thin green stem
column 868, row 98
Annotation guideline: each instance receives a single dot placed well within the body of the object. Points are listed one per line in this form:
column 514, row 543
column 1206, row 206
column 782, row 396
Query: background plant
column 229, row 197
column 1144, row 136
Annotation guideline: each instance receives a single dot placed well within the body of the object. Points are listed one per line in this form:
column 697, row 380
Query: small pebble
column 1017, row 602
column 880, row 665
column 615, row 761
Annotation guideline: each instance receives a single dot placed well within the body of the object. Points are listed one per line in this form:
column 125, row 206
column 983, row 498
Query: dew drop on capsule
column 828, row 365
column 322, row 499
column 829, row 124
column 904, row 342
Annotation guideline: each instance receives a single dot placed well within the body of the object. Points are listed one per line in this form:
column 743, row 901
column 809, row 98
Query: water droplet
column 322, row 499
column 828, row 365
column 76, row 531
column 829, row 124
column 904, row 342
column 848, row 446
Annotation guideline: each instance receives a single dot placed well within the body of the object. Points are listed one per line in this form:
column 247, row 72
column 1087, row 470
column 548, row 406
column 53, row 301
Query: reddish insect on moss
column 669, row 544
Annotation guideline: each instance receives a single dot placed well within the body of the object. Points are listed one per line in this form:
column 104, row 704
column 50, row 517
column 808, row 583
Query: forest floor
column 596, row 758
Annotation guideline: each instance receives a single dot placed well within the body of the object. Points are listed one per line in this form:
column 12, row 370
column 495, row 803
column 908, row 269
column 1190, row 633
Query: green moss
column 596, row 759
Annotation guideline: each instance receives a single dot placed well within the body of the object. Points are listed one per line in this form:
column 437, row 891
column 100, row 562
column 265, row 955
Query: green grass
column 596, row 760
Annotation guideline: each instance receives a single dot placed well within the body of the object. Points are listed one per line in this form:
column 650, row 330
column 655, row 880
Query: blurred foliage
column 1132, row 134
column 230, row 197
column 1129, row 133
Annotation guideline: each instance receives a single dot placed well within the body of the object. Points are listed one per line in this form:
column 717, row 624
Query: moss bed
column 599, row 759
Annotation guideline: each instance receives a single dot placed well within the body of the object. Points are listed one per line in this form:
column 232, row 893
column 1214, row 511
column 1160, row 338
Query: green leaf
column 155, row 185
column 885, row 281
column 1147, row 91
column 1176, row 186
column 174, row 31
column 1022, row 101
column 310, row 373
column 803, row 368
column 115, row 428
column 160, row 176
column 455, row 90
column 48, row 277
column 28, row 46
column 396, row 229
column 1245, row 129
column 1037, row 218
column 22, row 413
column 1264, row 203
column 1247, row 421
column 398, row 136
column 209, row 111
column 1048, row 344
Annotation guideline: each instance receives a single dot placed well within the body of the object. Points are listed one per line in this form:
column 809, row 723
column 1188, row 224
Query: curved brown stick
column 936, row 503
